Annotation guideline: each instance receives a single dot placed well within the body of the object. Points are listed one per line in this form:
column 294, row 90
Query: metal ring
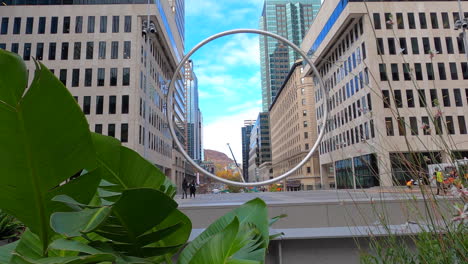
column 169, row 111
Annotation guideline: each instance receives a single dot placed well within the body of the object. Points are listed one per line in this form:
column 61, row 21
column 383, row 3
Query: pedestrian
column 185, row 186
column 439, row 180
column 410, row 184
column 193, row 189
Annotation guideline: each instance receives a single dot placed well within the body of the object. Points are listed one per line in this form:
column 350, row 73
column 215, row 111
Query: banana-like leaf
column 6, row 252
column 124, row 169
column 249, row 245
column 86, row 259
column 45, row 140
column 73, row 224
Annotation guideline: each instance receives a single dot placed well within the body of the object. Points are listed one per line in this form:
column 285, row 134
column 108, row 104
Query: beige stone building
column 98, row 50
column 293, row 130
column 397, row 78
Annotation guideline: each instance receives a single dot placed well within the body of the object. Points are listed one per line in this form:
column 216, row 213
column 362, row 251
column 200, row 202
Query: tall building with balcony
column 259, row 150
column 289, row 19
column 194, row 117
column 246, row 131
column 115, row 63
column 396, row 75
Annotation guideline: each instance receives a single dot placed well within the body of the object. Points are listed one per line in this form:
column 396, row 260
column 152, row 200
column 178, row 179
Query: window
column 14, row 47
column 99, row 104
column 77, row 51
column 3, row 46
column 66, row 25
column 442, row 74
column 27, row 51
column 64, row 54
column 422, row 20
column 4, row 29
column 389, row 126
column 39, row 50
column 41, row 27
column 306, row 147
column 410, row 98
column 453, row 71
column 464, row 67
column 445, row 20
column 412, row 24
column 426, row 45
column 91, row 25
column 103, row 24
column 113, row 76
column 462, row 125
column 458, row 97
column 401, row 126
column 395, row 74
column 87, row 105
column 128, row 24
column 29, row 25
column 415, row 46
column 430, row 71
column 305, row 123
column 75, row 77
column 425, row 125
column 422, row 97
column 101, row 77
column 52, row 48
column 89, row 50
column 438, row 45
column 445, row 97
column 449, row 43
column 114, row 50
column 363, row 47
column 112, row 104
column 461, row 46
column 17, row 25
column 450, row 125
column 434, row 21
column 79, row 24
column 386, row 98
column 54, row 25
column 399, row 20
column 403, row 46
column 377, row 24
column 63, row 76
column 88, row 77
column 127, row 50
column 383, row 72
column 380, row 46
column 413, row 125
column 398, row 99
column 306, row 134
column 406, row 72
column 102, row 50
column 418, row 71
column 126, row 77
column 111, row 130
column 98, row 128
column 125, row 100
column 434, row 100
column 388, row 21
column 124, row 132
column 115, row 24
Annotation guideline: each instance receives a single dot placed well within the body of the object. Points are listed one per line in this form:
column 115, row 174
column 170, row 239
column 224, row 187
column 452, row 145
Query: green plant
column 10, row 228
column 85, row 198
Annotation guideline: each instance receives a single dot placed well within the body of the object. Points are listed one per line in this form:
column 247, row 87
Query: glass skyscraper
column 290, row 19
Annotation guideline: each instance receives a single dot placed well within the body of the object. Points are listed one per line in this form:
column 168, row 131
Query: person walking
column 439, row 180
column 185, row 186
column 193, row 189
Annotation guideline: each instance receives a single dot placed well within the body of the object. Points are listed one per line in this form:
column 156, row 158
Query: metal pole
column 463, row 34
column 237, row 165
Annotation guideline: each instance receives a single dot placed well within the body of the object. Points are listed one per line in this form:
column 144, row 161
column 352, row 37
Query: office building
column 294, row 131
column 259, row 150
column 194, row 117
column 116, row 65
column 246, row 129
column 289, row 19
column 396, row 75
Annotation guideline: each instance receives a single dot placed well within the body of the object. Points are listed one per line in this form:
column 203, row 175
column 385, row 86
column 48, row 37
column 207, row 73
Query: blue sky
column 228, row 69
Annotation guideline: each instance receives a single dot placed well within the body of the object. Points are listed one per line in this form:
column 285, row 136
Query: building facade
column 289, row 19
column 396, row 75
column 259, row 150
column 293, row 131
column 116, row 65
column 194, row 117
column 246, row 131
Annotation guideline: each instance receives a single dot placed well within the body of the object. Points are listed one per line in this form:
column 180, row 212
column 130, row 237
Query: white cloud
column 228, row 130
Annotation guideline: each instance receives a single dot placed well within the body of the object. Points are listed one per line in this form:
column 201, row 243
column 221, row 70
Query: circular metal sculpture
column 169, row 111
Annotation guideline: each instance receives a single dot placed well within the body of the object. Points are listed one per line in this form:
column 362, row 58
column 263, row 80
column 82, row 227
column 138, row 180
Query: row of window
column 417, row 71
column 87, row 81
column 427, row 49
column 65, row 47
column 111, row 130
column 99, row 104
column 66, row 25
column 410, row 19
column 426, row 127
column 433, row 94
column 349, row 137
column 154, row 142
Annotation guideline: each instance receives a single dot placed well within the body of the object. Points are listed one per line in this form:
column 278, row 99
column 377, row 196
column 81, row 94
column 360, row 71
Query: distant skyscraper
column 248, row 124
column 290, row 19
column 194, row 121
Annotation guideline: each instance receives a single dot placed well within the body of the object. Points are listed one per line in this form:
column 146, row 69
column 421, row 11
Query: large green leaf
column 6, row 252
column 45, row 140
column 250, row 243
column 72, row 224
column 123, row 168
